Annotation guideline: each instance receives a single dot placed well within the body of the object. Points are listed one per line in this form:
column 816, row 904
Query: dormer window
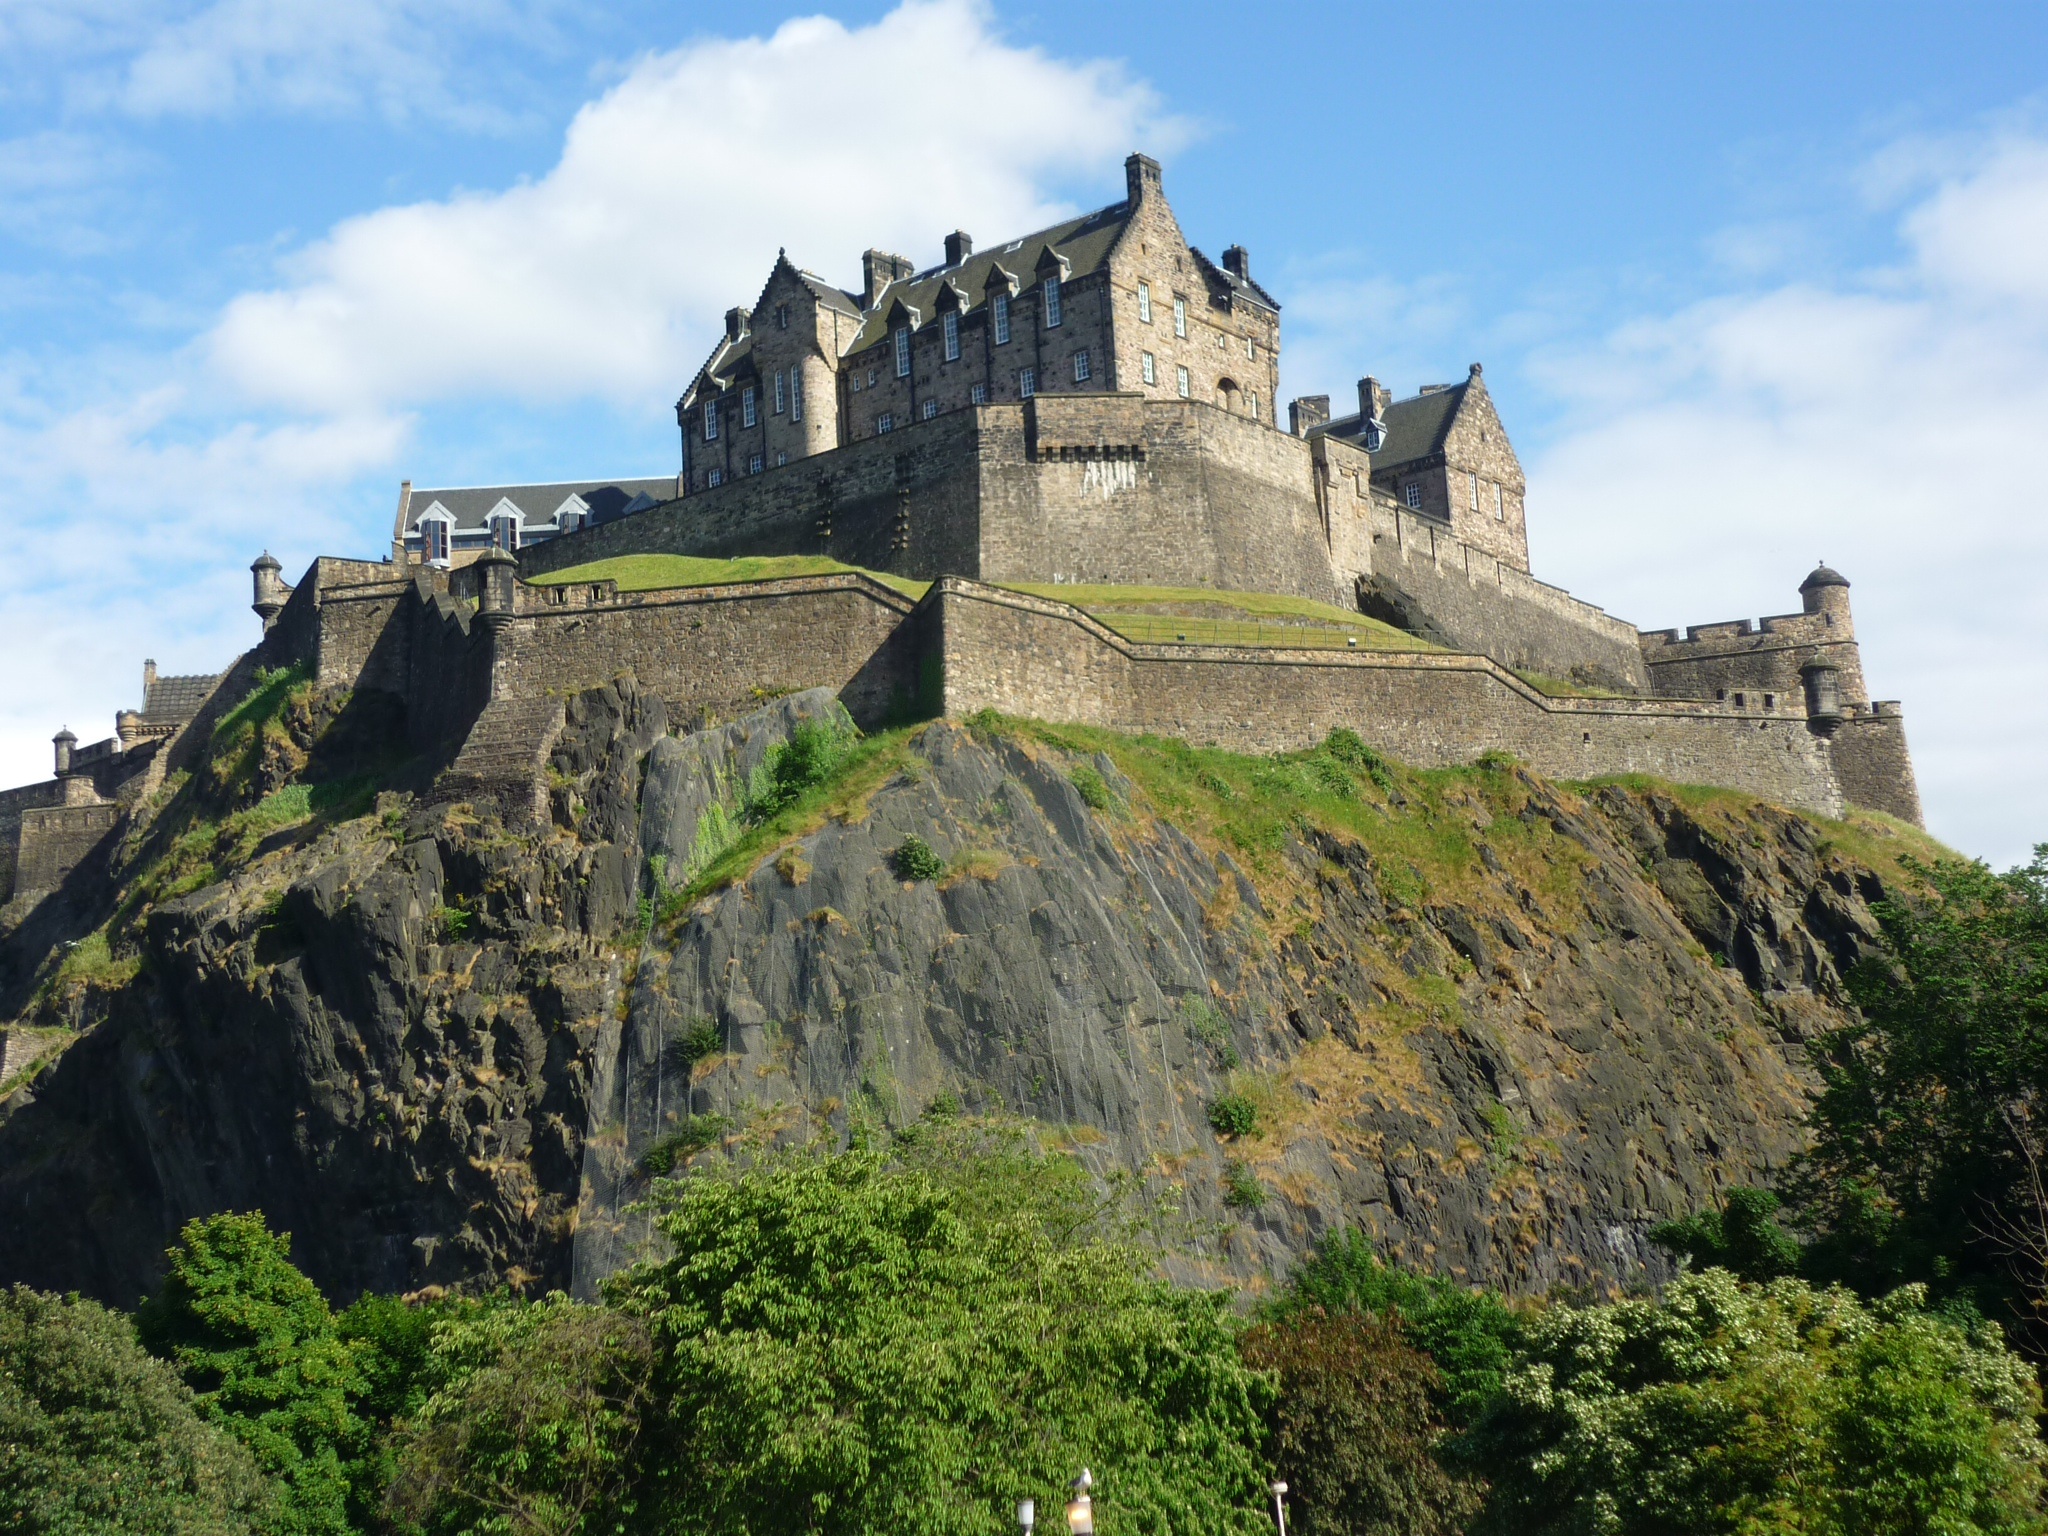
column 710, row 421
column 951, row 327
column 903, row 352
column 1145, row 303
column 1180, row 317
column 747, row 411
column 435, row 539
column 505, row 531
column 572, row 514
column 1002, row 314
column 781, row 392
column 1052, row 301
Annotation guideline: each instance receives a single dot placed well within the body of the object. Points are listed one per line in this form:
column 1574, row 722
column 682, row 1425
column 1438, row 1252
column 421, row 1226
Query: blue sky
column 1752, row 284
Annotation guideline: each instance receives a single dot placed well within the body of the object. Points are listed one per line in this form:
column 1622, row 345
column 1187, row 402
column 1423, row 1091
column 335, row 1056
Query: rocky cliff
column 1503, row 1025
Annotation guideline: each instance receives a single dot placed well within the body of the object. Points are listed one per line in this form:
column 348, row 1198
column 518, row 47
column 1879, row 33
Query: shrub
column 1090, row 786
column 1205, row 1022
column 1241, row 1187
column 915, row 860
column 1350, row 749
column 1743, row 1237
column 694, row 1134
column 810, row 757
column 1234, row 1115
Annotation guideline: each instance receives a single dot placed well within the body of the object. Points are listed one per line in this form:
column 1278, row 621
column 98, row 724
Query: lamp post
column 1280, row 1509
column 1080, row 1508
column 1027, row 1515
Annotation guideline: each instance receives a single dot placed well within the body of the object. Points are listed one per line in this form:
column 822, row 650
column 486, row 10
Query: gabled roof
column 1085, row 242
column 724, row 362
column 176, row 698
column 1416, row 427
column 1243, row 287
column 538, row 505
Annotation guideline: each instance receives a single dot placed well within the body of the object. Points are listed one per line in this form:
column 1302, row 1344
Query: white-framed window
column 781, row 392
column 1081, row 366
column 871, row 378
column 1472, row 493
column 505, row 531
column 1251, row 353
column 1413, row 491
column 1027, row 383
column 1253, row 397
column 951, row 326
column 902, row 351
column 710, row 421
column 796, row 395
column 1148, row 367
column 716, row 477
column 979, row 394
column 569, row 522
column 1145, row 302
column 1180, row 316
column 436, row 539
column 1002, row 314
column 781, row 457
column 931, row 409
column 1052, row 301
column 748, row 414
column 782, row 317
column 755, row 464
column 1180, row 378
column 1500, row 505
column 886, row 422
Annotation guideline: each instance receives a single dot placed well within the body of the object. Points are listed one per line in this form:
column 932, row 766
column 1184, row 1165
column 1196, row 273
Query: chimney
column 1237, row 261
column 736, row 322
column 958, row 247
column 1141, row 178
column 1370, row 400
column 148, row 680
column 1307, row 413
column 878, row 269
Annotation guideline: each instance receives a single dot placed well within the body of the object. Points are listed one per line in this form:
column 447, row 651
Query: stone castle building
column 1090, row 404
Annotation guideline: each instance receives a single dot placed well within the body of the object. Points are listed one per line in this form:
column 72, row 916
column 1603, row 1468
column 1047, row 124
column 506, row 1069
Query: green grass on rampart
column 665, row 573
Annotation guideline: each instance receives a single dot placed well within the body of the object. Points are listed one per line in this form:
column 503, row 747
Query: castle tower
column 64, row 741
column 1826, row 592
column 271, row 591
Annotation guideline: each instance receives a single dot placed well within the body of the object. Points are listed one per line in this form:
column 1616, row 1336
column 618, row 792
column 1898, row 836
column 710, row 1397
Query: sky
column 1754, row 285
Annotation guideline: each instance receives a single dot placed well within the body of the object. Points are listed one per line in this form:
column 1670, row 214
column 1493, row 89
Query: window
column 952, row 330
column 781, row 458
column 1052, row 302
column 1027, row 383
column 1414, row 493
column 781, row 392
column 1254, row 398
column 903, row 352
column 1181, row 379
column 1002, row 311
column 434, row 539
column 782, row 317
column 710, row 421
column 716, row 477
column 885, row 422
column 505, row 532
column 1148, row 367
column 796, row 395
column 979, row 394
column 871, row 378
column 1472, row 499
column 931, row 409
column 747, row 415
column 755, row 464
column 1500, row 506
column 1145, row 302
column 1081, row 366
column 1180, row 317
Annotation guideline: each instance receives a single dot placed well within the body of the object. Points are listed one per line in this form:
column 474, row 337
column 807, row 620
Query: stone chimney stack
column 958, row 247
column 1237, row 261
column 878, row 269
column 1142, row 178
column 1307, row 413
column 148, row 679
column 736, row 322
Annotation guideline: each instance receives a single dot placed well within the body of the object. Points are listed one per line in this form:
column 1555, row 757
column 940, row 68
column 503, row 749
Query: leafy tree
column 812, row 754
column 392, row 1345
column 1469, row 1334
column 862, row 1348
column 1929, row 1131
column 1731, row 1408
column 97, row 1436
column 256, row 1342
column 1354, row 1429
column 535, row 1426
column 1743, row 1237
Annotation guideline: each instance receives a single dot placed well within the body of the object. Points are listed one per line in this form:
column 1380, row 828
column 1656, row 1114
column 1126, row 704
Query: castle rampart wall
column 1014, row 653
column 1752, row 656
column 54, row 840
column 1873, row 765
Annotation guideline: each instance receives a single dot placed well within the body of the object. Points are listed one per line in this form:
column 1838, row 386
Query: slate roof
column 1416, row 427
column 1240, row 286
column 176, row 698
column 538, row 504
column 1084, row 241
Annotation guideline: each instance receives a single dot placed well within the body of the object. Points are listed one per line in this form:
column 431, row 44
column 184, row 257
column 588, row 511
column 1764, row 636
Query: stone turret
column 64, row 741
column 1826, row 592
column 271, row 591
column 497, row 575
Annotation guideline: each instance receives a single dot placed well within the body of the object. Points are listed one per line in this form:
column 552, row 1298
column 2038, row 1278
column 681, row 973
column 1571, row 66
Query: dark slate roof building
column 445, row 526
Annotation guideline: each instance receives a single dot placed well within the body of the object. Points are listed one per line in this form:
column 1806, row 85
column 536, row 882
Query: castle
column 1091, row 407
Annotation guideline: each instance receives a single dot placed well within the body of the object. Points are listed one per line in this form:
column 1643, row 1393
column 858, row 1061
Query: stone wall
column 1428, row 582
column 1754, row 656
column 54, row 840
column 13, row 803
column 1871, row 760
column 1013, row 653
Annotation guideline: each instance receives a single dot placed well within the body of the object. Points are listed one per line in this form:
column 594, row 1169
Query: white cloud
column 1893, row 424
column 673, row 192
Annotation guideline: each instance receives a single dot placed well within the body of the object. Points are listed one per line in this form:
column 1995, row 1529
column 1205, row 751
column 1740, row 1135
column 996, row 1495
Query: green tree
column 535, row 1425
column 1355, row 1429
column 1469, row 1334
column 97, row 1436
column 256, row 1342
column 1742, row 1237
column 861, row 1348
column 1732, row 1408
column 392, row 1343
column 1932, row 1126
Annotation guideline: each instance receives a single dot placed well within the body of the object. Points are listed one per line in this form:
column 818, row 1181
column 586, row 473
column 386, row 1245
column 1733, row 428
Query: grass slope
column 665, row 573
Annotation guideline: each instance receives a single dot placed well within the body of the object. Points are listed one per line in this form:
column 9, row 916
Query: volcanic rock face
column 444, row 1054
